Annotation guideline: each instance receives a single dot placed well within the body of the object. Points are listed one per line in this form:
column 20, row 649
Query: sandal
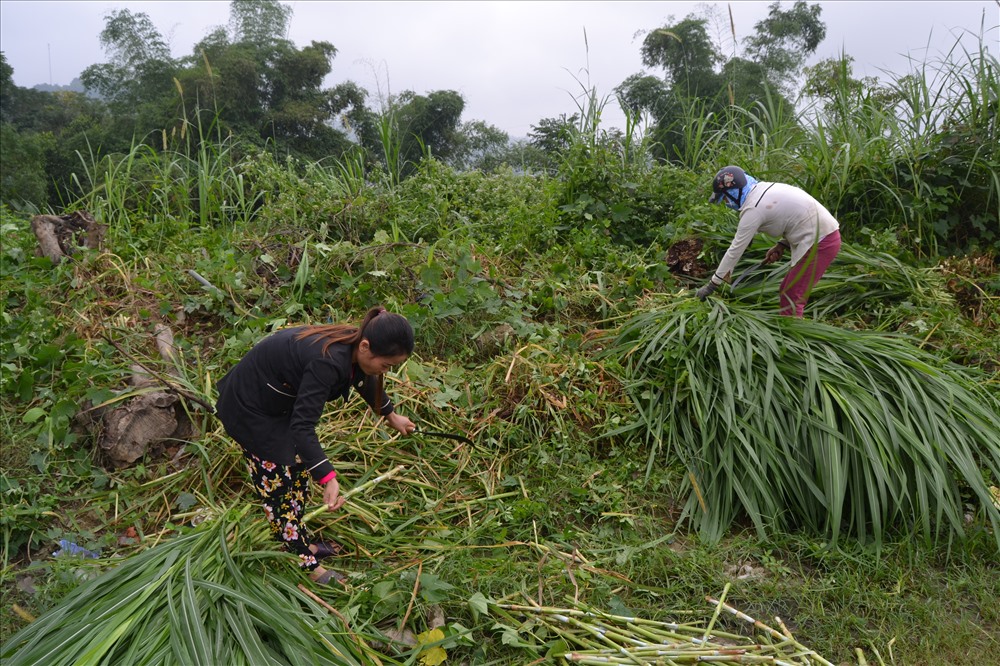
column 326, row 549
column 328, row 575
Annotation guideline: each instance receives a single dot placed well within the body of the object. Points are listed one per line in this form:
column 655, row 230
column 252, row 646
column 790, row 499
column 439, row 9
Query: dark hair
column 387, row 333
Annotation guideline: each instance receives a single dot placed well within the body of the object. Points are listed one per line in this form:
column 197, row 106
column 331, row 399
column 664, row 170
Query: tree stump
column 682, row 258
column 144, row 424
column 61, row 236
column 141, row 425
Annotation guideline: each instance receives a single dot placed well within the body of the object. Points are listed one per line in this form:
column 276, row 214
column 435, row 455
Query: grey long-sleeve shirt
column 781, row 211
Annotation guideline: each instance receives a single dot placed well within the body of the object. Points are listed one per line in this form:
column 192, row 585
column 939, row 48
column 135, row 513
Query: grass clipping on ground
column 218, row 594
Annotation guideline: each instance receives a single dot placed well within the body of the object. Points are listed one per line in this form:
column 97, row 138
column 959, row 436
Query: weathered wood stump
column 682, row 258
column 143, row 424
column 60, row 236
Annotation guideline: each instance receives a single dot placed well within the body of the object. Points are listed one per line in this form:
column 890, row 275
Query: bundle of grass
column 589, row 636
column 213, row 595
column 859, row 278
column 798, row 424
column 860, row 281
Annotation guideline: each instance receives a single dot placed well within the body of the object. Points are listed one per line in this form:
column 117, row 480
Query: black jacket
column 271, row 401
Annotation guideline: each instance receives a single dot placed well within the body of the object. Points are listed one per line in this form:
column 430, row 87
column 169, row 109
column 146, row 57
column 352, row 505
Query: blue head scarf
column 731, row 187
column 735, row 198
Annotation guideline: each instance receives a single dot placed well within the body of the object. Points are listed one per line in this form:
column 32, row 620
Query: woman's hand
column 331, row 495
column 400, row 423
column 706, row 290
column 774, row 253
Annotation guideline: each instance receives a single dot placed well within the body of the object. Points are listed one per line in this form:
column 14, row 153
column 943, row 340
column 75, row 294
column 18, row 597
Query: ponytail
column 387, row 333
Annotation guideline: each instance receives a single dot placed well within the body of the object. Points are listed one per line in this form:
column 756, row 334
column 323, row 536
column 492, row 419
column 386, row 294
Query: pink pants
column 798, row 283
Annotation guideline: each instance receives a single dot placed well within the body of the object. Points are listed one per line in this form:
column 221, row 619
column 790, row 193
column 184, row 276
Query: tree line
column 247, row 84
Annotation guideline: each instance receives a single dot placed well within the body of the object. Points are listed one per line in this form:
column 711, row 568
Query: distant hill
column 76, row 85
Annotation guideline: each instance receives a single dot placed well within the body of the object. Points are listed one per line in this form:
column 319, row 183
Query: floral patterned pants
column 283, row 490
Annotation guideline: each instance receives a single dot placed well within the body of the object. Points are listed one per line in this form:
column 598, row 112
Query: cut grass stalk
column 593, row 637
column 358, row 489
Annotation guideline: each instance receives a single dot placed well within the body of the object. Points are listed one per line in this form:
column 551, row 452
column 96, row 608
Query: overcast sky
column 513, row 62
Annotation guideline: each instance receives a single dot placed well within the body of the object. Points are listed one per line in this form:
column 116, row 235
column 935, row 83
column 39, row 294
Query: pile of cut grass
column 205, row 597
column 794, row 423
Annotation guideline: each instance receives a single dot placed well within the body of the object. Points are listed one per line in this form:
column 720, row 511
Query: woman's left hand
column 774, row 254
column 331, row 495
column 400, row 423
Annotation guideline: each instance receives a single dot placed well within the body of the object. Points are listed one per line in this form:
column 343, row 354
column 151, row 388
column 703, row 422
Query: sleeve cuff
column 326, row 479
column 322, row 471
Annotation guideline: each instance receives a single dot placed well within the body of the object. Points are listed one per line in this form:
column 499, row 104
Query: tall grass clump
column 168, row 183
column 792, row 424
column 764, row 136
column 601, row 182
column 919, row 154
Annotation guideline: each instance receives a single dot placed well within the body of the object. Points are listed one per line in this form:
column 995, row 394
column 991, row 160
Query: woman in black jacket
column 271, row 401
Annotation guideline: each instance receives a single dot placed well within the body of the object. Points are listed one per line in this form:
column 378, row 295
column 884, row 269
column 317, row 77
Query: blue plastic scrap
column 68, row 548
